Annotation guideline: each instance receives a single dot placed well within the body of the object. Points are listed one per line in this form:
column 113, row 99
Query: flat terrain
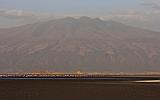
column 77, row 89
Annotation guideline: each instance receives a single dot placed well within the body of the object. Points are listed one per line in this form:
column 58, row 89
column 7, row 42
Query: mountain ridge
column 68, row 44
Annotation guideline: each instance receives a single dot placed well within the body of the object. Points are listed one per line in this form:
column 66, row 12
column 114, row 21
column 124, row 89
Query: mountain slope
column 70, row 44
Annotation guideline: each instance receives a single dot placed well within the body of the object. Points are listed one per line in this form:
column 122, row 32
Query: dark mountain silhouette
column 70, row 44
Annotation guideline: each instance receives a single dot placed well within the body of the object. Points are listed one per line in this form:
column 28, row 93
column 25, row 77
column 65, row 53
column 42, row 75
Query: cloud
column 21, row 14
column 14, row 17
column 148, row 19
column 155, row 4
column 151, row 5
column 15, row 14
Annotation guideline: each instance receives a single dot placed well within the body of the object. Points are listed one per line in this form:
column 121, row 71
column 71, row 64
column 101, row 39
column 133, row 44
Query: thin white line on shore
column 148, row 81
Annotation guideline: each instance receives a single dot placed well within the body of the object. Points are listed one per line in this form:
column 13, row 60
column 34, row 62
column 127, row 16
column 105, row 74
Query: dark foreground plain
column 77, row 89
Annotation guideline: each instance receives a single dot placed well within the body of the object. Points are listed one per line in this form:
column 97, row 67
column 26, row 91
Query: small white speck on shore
column 148, row 81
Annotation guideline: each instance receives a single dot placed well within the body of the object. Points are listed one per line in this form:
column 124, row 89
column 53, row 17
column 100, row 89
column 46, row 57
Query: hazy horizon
column 140, row 13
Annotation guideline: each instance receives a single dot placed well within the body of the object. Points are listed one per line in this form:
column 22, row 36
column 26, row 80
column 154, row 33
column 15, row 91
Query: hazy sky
column 80, row 7
column 141, row 13
column 69, row 6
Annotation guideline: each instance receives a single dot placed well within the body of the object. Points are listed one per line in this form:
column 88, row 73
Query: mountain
column 70, row 44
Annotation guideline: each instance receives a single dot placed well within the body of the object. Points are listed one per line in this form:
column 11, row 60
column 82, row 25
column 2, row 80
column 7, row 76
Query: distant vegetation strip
column 79, row 74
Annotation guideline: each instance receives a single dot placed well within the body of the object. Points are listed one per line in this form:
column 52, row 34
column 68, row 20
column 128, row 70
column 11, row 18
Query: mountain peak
column 85, row 18
column 69, row 18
